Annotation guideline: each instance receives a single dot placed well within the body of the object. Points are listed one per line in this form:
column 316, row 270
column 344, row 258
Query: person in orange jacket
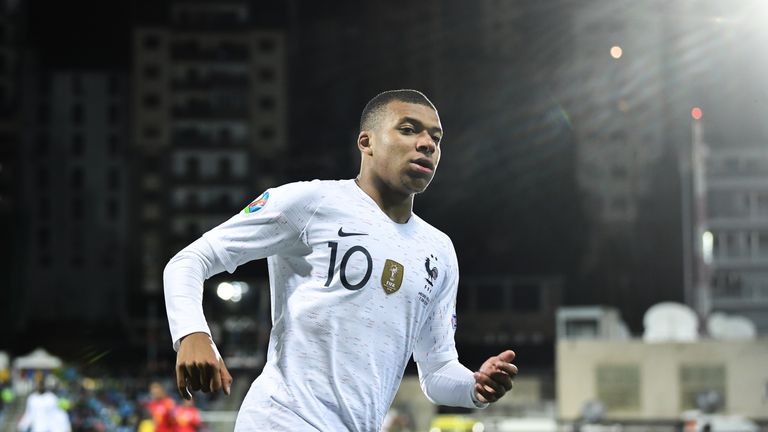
column 161, row 408
column 187, row 417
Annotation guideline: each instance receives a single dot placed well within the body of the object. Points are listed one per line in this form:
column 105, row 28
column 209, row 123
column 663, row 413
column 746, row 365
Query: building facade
column 209, row 108
column 74, row 181
column 736, row 224
column 639, row 381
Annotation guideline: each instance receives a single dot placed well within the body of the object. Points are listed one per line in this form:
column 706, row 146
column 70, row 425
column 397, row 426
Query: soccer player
column 161, row 407
column 359, row 283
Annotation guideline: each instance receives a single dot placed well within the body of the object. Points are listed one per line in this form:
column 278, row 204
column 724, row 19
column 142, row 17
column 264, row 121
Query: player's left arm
column 443, row 378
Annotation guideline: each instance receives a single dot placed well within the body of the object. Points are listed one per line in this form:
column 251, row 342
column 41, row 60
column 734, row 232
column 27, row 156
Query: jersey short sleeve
column 435, row 342
column 269, row 225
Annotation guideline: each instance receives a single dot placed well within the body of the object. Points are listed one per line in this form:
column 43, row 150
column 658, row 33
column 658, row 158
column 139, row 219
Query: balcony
column 190, row 179
column 197, row 111
column 740, row 262
column 212, row 81
column 225, row 53
column 194, row 140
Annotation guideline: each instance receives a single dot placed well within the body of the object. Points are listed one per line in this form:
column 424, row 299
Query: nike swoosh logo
column 348, row 234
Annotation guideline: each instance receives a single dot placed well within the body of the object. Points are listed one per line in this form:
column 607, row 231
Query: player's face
column 406, row 147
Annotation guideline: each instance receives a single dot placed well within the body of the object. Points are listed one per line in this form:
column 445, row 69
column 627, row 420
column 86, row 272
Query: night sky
column 508, row 168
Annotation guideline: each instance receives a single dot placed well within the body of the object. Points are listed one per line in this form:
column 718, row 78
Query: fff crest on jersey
column 392, row 276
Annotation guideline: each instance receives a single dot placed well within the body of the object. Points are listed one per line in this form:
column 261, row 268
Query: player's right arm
column 271, row 224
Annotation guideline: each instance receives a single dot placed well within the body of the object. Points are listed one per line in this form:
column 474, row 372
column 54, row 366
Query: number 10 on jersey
column 343, row 267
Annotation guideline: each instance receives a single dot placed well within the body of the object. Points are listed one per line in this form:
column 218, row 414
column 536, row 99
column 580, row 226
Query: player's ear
column 364, row 143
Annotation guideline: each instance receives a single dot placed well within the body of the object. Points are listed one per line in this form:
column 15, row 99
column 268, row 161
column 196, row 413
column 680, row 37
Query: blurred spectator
column 42, row 412
column 146, row 424
column 7, row 396
column 187, row 417
column 161, row 407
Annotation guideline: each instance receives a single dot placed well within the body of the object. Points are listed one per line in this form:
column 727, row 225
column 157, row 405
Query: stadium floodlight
column 232, row 291
column 225, row 291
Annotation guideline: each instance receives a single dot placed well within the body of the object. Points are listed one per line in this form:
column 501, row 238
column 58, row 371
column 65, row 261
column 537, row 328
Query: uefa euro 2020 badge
column 257, row 204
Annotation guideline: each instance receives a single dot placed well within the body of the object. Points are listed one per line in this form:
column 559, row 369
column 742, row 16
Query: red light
column 696, row 113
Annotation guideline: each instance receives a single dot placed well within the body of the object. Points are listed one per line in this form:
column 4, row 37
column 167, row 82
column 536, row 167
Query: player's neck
column 395, row 205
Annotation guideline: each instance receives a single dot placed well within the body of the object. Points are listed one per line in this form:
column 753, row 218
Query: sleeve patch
column 257, row 204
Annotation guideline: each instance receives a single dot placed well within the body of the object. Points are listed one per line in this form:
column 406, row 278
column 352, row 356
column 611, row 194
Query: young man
column 359, row 283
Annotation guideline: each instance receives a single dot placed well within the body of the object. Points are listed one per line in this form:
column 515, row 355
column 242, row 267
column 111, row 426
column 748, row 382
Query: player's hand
column 494, row 379
column 199, row 366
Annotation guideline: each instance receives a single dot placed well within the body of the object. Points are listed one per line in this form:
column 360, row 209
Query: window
column 114, row 114
column 151, row 41
column 113, row 85
column 77, row 85
column 697, row 379
column 151, row 100
column 151, row 132
column 583, row 328
column 77, row 114
column 491, row 297
column 193, row 167
column 77, row 208
column 267, row 45
column 113, row 179
column 224, row 201
column 267, row 103
column 267, row 75
column 77, row 144
column 42, row 144
column 43, row 114
column 114, row 144
column 43, row 238
column 112, row 208
column 225, row 136
column 762, row 244
column 267, row 133
column 45, row 202
column 76, row 178
column 619, row 204
column 43, row 179
column 225, row 167
column 151, row 71
column 192, row 229
column 526, row 298
column 192, row 201
column 618, row 386
column 619, row 172
column 77, row 260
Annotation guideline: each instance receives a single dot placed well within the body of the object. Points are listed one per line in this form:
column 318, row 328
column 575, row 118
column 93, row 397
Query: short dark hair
column 375, row 106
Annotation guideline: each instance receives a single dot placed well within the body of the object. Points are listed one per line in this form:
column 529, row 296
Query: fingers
column 226, row 378
column 194, row 379
column 199, row 367
column 507, row 356
column 488, row 388
column 181, row 382
column 216, row 381
column 503, row 380
column 496, row 365
column 495, row 377
column 206, row 375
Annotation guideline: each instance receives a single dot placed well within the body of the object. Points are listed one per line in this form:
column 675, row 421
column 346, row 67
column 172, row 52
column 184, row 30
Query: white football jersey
column 353, row 294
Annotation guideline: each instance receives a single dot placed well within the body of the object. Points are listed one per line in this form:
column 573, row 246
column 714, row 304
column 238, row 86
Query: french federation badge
column 257, row 204
column 392, row 276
